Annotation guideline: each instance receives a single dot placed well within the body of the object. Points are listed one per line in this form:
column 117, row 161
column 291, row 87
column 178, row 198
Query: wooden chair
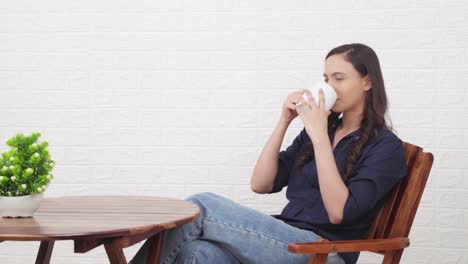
column 389, row 232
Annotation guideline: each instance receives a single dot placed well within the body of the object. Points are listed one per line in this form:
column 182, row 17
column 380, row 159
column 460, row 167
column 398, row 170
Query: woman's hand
column 314, row 116
column 289, row 111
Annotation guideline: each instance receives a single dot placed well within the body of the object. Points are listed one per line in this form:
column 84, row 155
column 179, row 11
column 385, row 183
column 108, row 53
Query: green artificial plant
column 26, row 168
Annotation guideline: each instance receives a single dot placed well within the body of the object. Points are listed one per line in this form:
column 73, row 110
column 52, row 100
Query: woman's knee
column 205, row 199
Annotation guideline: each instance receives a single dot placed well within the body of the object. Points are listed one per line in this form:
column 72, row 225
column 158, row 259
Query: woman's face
column 349, row 86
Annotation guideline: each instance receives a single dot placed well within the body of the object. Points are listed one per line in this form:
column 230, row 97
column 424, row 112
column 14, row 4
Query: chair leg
column 392, row 257
column 318, row 259
column 155, row 244
column 45, row 252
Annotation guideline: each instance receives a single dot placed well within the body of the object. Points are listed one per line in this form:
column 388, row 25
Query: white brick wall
column 174, row 97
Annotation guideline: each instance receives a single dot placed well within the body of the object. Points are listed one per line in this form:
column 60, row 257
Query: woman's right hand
column 289, row 112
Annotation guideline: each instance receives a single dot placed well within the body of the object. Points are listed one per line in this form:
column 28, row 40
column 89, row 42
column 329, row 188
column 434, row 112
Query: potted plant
column 24, row 175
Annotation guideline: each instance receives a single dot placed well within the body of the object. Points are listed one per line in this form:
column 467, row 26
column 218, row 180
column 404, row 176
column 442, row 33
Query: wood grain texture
column 116, row 222
column 78, row 217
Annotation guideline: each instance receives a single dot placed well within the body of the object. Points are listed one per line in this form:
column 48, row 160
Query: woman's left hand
column 314, row 116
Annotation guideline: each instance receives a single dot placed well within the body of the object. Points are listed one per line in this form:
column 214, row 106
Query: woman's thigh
column 205, row 252
column 251, row 236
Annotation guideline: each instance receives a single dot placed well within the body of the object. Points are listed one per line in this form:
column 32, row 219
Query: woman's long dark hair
column 365, row 61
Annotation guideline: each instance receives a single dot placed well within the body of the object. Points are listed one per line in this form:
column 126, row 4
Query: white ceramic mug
column 328, row 92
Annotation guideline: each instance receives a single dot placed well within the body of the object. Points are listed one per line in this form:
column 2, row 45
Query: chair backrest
column 396, row 216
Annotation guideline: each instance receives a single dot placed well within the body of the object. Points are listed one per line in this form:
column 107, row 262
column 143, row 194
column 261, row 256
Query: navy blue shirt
column 382, row 164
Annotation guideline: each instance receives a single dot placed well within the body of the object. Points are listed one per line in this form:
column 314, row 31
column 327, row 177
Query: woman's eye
column 339, row 79
column 326, row 80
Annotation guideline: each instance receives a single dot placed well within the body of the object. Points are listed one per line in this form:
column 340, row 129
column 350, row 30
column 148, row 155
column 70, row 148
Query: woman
column 338, row 172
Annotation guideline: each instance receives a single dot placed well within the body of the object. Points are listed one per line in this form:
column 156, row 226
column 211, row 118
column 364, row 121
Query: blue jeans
column 227, row 232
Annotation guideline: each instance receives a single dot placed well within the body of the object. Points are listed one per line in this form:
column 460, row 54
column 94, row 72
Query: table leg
column 45, row 252
column 115, row 253
column 155, row 244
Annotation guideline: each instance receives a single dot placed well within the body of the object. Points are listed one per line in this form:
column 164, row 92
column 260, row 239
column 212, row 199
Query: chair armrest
column 323, row 247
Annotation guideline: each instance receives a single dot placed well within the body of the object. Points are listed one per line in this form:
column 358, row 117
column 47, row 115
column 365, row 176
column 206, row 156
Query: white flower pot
column 20, row 206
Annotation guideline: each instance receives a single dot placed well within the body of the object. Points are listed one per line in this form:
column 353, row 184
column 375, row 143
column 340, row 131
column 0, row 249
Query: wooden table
column 116, row 222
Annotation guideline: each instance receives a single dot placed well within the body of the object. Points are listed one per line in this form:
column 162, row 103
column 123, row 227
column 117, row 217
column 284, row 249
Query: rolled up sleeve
column 286, row 161
column 381, row 168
